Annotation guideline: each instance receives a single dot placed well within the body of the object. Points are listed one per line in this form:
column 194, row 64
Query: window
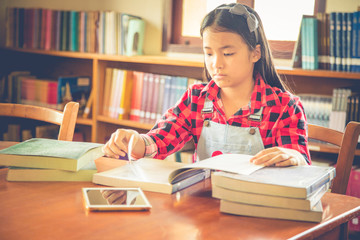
column 183, row 17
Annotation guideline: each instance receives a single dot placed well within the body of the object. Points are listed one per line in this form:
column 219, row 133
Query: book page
column 233, row 163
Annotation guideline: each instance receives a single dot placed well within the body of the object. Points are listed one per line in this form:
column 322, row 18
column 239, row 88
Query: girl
column 244, row 108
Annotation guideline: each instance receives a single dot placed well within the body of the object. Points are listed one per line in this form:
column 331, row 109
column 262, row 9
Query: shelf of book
column 125, row 123
column 173, row 61
column 66, row 62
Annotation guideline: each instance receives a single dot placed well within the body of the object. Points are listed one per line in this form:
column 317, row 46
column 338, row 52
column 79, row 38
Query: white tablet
column 115, row 199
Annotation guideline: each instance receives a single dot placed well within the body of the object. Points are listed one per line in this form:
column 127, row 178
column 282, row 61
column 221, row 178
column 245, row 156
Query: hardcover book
column 50, row 153
column 314, row 215
column 294, row 181
column 268, row 200
column 85, row 174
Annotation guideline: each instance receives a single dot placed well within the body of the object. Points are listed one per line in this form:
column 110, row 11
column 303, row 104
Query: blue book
column 77, row 86
column 309, row 43
column 338, row 41
column 314, row 43
column 304, row 44
column 344, row 43
column 332, row 37
column 349, row 40
column 356, row 43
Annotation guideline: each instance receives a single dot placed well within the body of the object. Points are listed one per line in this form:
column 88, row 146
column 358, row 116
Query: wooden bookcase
column 52, row 64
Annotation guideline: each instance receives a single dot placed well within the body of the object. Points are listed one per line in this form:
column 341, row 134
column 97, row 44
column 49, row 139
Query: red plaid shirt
column 283, row 119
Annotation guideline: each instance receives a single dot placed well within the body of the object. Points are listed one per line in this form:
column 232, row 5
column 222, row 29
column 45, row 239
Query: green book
column 51, row 154
column 85, row 174
column 73, row 38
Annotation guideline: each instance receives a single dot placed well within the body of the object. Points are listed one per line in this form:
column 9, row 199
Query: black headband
column 251, row 19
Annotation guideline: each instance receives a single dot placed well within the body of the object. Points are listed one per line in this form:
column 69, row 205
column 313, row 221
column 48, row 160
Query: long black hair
column 222, row 20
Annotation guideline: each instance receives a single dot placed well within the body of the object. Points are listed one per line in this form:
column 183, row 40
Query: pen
column 134, row 167
column 130, row 148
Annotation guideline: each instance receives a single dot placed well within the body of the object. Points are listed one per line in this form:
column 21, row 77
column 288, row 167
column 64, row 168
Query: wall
column 342, row 5
column 151, row 11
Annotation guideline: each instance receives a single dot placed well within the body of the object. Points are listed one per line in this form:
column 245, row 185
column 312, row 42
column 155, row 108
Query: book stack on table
column 292, row 193
column 40, row 159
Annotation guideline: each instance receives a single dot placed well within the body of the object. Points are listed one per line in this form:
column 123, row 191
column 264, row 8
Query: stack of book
column 292, row 193
column 39, row 159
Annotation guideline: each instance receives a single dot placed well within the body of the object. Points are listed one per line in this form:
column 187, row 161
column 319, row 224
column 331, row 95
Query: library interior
column 73, row 72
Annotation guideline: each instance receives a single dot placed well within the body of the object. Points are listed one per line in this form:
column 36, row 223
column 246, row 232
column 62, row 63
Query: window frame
column 172, row 41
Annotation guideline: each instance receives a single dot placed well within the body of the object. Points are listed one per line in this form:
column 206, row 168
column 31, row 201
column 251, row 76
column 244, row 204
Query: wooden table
column 45, row 210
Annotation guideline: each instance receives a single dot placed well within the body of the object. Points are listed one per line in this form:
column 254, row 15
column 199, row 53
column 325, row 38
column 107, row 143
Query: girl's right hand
column 117, row 146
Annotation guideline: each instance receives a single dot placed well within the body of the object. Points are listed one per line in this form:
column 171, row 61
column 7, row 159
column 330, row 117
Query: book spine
column 167, row 92
column 155, row 98
column 357, row 42
column 149, row 97
column 144, row 97
column 304, row 36
column 159, row 110
column 136, row 97
column 338, row 41
column 332, row 39
column 349, row 40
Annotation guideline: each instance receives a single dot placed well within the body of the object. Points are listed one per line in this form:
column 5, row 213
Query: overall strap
column 257, row 116
column 208, row 109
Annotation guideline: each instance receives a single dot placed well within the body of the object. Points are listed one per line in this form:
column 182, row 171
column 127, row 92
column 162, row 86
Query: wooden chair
column 347, row 141
column 66, row 119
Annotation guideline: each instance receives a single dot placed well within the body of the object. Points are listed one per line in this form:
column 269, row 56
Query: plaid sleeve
column 150, row 146
column 292, row 132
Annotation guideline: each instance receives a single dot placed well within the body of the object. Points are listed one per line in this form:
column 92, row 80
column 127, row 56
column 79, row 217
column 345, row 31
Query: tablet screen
column 107, row 199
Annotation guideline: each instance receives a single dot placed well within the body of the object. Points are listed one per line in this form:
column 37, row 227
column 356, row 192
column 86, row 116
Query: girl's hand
column 278, row 156
column 118, row 144
column 114, row 196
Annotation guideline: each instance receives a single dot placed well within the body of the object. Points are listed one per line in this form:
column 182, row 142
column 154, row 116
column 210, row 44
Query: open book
column 169, row 177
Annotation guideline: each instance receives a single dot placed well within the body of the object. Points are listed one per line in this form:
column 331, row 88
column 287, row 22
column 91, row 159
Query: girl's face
column 228, row 59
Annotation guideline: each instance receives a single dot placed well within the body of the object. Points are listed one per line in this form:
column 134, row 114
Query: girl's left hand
column 278, row 156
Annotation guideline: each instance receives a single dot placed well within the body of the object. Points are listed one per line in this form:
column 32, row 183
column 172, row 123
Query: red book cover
column 354, row 190
column 52, row 93
column 136, row 96
column 48, row 29
column 43, row 28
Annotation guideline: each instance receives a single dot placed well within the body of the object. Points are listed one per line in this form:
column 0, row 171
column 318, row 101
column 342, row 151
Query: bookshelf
column 98, row 128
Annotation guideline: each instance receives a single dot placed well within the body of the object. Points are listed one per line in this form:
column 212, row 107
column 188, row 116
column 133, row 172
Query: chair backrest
column 347, row 141
column 66, row 119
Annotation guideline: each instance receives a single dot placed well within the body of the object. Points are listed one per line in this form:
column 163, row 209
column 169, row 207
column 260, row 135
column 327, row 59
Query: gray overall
column 216, row 138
